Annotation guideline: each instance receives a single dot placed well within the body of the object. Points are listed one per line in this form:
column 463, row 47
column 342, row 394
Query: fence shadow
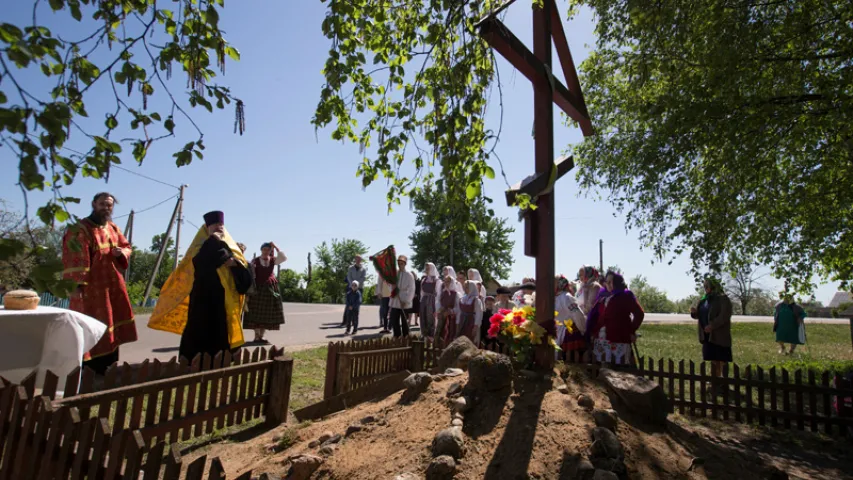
column 482, row 419
column 513, row 453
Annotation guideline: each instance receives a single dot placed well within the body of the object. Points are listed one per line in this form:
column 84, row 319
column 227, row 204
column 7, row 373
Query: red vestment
column 87, row 257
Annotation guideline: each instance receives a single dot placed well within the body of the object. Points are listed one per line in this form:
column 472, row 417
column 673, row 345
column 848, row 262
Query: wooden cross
column 536, row 66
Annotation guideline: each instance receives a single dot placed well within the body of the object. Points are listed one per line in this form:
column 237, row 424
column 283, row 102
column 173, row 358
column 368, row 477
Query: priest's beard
column 101, row 217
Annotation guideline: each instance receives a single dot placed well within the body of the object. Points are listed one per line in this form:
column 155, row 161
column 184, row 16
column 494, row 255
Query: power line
column 145, row 177
column 117, row 166
column 146, row 209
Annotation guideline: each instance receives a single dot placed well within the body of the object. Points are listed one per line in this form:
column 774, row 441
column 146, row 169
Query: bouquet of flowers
column 518, row 329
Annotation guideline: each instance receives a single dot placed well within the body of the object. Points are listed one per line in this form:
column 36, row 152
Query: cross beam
column 498, row 36
column 538, row 183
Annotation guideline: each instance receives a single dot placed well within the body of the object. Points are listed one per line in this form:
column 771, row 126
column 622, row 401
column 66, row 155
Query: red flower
column 496, row 318
column 494, row 330
column 518, row 320
column 504, row 311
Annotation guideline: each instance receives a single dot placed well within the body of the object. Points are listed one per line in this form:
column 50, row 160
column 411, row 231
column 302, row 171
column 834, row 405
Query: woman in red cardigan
column 617, row 323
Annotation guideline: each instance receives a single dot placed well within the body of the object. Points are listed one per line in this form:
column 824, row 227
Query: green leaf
column 472, row 191
column 61, row 216
column 57, row 4
column 155, row 116
column 111, row 122
column 3, row 98
column 232, row 52
column 490, row 173
column 10, row 33
column 169, row 124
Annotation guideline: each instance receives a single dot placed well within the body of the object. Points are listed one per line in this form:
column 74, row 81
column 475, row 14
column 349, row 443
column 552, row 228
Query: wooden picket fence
column 173, row 401
column 43, row 442
column 775, row 397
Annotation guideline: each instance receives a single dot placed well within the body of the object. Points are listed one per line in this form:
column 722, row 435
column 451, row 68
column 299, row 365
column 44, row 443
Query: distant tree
column 450, row 232
column 683, row 305
column 39, row 256
column 650, row 297
column 290, row 286
column 743, row 285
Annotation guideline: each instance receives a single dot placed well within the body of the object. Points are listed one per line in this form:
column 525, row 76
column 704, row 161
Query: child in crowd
column 471, row 309
column 352, row 307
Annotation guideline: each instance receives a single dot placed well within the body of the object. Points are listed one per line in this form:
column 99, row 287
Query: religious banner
column 385, row 263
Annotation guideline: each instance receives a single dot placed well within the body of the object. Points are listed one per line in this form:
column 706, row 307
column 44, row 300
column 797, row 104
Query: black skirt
column 716, row 353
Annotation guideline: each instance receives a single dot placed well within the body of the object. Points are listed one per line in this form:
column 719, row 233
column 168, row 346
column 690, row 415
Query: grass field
column 828, row 346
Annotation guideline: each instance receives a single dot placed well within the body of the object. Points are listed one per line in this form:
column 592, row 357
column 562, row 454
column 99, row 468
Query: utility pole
column 128, row 234
column 180, row 222
column 601, row 256
column 162, row 251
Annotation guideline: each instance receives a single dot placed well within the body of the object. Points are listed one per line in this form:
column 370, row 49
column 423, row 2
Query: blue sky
column 280, row 181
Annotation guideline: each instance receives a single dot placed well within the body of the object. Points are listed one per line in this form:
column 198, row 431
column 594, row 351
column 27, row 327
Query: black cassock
column 207, row 328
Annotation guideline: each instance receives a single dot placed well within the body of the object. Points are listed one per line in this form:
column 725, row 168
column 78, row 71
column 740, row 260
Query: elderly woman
column 589, row 287
column 714, row 315
column 618, row 321
column 266, row 311
column 788, row 324
column 567, row 309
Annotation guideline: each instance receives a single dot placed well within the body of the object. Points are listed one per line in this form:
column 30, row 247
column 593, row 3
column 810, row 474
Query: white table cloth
column 47, row 338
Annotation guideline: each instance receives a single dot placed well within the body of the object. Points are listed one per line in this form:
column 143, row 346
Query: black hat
column 212, row 218
column 503, row 291
column 528, row 286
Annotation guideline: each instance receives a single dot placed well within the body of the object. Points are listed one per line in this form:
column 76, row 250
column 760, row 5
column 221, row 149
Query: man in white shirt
column 405, row 294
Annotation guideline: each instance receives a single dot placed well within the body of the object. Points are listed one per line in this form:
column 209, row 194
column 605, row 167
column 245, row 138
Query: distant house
column 492, row 287
column 840, row 298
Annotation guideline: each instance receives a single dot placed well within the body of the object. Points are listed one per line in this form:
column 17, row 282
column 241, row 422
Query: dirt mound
column 534, row 430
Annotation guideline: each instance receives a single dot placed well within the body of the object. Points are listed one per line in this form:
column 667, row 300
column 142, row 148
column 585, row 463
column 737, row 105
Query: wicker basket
column 21, row 300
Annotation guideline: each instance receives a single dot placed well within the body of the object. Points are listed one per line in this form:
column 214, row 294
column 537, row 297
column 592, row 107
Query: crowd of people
column 203, row 299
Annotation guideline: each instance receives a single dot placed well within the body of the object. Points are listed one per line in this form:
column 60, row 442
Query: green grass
column 309, row 376
column 142, row 310
column 828, row 346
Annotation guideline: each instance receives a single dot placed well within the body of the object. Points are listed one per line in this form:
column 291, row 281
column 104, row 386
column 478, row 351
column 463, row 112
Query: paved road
column 312, row 324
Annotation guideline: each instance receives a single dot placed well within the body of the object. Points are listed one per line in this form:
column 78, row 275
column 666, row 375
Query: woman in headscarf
column 789, row 324
column 203, row 299
column 471, row 313
column 617, row 323
column 474, row 276
column 429, row 293
column 567, row 309
column 448, row 310
column 714, row 315
column 589, row 287
column 266, row 311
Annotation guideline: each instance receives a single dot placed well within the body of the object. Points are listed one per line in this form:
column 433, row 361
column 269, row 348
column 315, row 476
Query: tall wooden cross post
column 536, row 66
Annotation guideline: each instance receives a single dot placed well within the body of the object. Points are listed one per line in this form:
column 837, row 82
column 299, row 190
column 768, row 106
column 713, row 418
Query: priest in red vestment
column 95, row 253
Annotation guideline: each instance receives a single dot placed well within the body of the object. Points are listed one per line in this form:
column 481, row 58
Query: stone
column 585, row 469
column 639, row 395
column 456, row 422
column 459, row 404
column 438, row 378
column 529, row 374
column 613, row 465
column 333, row 439
column 453, row 372
column 368, row 420
column 606, row 444
column 489, row 371
column 450, row 355
column 441, row 468
column 325, row 436
column 407, row 476
column 303, row 466
column 314, row 444
column 586, row 402
column 774, row 473
column 454, row 389
column 604, row 475
column 353, row 429
column 608, row 419
column 416, row 384
column 564, row 389
column 328, row 449
column 449, row 442
column 457, row 416
column 277, row 438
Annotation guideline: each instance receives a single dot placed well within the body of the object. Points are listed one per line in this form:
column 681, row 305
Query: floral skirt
column 607, row 352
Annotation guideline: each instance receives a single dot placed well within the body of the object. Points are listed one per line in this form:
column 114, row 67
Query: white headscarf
column 473, row 272
column 472, row 292
column 430, row 270
column 448, row 270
